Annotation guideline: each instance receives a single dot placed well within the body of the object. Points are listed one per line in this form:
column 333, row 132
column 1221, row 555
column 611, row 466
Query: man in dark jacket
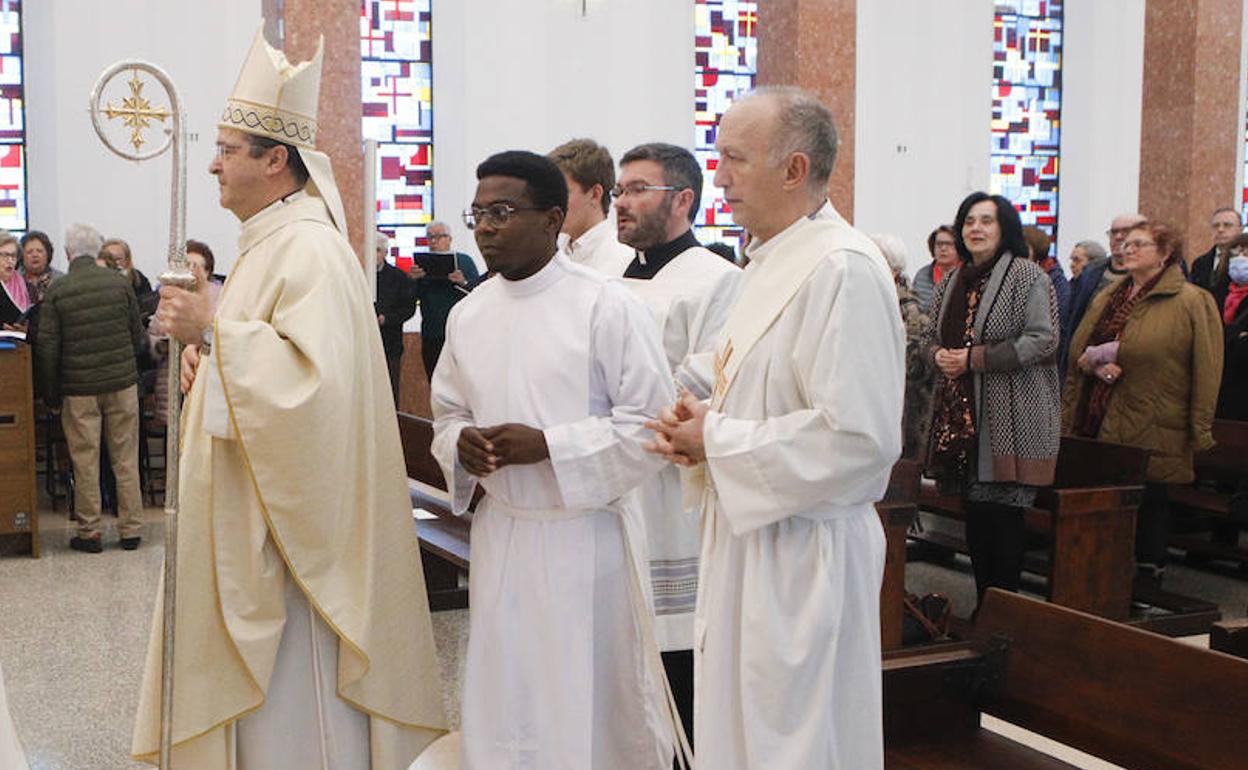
column 1209, row 269
column 396, row 302
column 438, row 295
column 89, row 336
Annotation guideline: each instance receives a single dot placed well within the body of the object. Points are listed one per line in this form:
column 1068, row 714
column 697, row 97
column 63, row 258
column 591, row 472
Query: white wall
column 1103, row 77
column 532, row 75
column 72, row 176
column 924, row 114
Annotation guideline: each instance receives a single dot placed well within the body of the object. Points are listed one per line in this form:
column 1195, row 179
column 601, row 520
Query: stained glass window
column 12, row 119
column 396, row 65
column 1027, row 108
column 725, row 64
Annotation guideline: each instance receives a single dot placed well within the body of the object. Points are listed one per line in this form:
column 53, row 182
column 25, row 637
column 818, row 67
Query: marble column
column 339, row 132
column 1191, row 126
column 812, row 44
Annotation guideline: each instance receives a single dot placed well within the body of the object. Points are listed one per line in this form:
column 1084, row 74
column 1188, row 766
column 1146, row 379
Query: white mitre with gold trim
column 276, row 99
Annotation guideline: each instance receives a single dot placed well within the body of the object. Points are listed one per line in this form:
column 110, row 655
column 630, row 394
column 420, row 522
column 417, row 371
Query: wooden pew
column 1204, row 507
column 1123, row 695
column 897, row 511
column 444, row 539
column 1087, row 518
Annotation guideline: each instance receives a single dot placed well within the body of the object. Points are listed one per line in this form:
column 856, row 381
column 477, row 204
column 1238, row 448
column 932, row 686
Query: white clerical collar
column 758, row 251
column 551, row 272
column 589, row 241
column 828, row 211
column 297, row 195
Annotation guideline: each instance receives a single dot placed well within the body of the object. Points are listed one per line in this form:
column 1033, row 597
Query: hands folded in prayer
column 678, row 431
column 484, row 450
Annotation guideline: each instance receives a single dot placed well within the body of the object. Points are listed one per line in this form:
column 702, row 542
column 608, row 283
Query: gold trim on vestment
column 264, row 511
column 290, row 127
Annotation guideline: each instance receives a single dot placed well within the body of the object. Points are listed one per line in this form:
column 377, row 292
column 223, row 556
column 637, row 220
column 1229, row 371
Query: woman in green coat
column 1147, row 371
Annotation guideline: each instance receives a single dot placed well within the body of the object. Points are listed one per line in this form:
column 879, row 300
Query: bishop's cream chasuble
column 298, row 567
column 673, row 297
column 562, row 669
column 804, row 427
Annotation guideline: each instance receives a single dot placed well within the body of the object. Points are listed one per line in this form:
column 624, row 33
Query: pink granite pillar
column 339, row 132
column 812, row 44
column 1191, row 125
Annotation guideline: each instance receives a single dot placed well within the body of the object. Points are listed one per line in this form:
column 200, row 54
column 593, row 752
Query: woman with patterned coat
column 996, row 406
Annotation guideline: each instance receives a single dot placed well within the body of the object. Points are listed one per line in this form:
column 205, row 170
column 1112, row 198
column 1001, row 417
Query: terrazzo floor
column 73, row 636
column 74, row 630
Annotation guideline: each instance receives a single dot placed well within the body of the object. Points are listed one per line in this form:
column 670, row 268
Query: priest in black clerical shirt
column 656, row 200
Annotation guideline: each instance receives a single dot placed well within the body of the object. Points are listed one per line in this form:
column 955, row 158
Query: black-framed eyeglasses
column 637, row 188
column 497, row 214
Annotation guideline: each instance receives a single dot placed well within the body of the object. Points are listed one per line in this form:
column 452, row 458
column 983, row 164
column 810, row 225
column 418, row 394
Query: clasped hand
column 952, row 362
column 484, row 450
column 678, row 431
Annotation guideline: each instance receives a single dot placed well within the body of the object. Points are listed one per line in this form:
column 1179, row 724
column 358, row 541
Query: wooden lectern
column 18, row 517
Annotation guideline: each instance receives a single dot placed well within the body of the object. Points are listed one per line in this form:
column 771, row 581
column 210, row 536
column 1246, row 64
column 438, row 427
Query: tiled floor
column 74, row 629
column 73, row 635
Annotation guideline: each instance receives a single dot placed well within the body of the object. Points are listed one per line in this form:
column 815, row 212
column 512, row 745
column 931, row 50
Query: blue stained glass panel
column 1027, row 109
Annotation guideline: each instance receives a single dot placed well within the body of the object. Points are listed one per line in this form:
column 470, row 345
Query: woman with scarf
column 1147, row 374
column 994, row 434
column 15, row 296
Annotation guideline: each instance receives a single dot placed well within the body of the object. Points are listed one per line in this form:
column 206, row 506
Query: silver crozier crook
column 137, row 113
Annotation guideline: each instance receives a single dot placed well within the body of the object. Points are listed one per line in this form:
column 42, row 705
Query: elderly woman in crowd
column 14, row 291
column 1085, row 253
column 117, row 252
column 914, row 421
column 942, row 248
column 1038, row 243
column 995, row 433
column 36, row 263
column 200, row 258
column 1148, row 366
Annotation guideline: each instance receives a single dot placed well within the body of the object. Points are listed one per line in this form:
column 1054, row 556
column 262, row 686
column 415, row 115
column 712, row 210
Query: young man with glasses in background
column 588, row 236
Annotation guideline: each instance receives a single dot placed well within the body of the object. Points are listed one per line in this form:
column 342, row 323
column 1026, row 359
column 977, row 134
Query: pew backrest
column 416, row 435
column 1128, row 696
column 1083, row 462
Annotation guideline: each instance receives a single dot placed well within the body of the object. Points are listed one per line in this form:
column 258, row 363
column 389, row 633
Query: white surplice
column 599, row 249
column 556, row 674
column 799, row 449
column 674, row 295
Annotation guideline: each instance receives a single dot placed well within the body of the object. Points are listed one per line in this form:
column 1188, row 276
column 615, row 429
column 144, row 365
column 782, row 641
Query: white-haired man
column 796, row 445
column 89, row 335
column 303, row 632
